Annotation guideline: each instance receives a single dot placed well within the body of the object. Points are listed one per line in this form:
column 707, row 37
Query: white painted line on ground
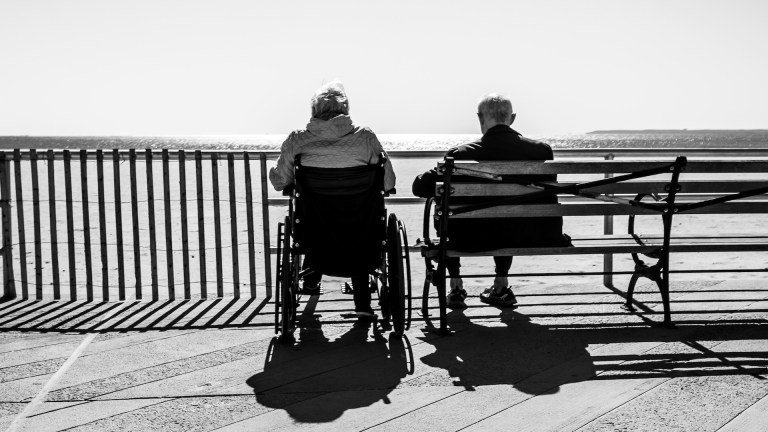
column 40, row 398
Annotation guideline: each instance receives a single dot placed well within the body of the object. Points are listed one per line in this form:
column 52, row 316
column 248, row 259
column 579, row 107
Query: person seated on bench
column 331, row 140
column 499, row 142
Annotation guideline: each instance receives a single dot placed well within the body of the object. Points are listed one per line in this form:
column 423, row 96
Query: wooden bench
column 629, row 188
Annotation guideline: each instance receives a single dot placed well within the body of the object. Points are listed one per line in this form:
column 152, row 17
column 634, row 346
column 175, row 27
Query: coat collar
column 500, row 129
column 334, row 128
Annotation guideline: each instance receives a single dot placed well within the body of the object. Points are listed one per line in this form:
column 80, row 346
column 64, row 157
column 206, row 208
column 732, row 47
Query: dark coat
column 499, row 143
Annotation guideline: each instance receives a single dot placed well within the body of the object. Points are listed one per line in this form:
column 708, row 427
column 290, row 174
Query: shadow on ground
column 507, row 352
column 317, row 379
column 538, row 359
column 125, row 316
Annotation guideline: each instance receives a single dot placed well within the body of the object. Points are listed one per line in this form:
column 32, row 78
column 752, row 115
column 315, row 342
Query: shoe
column 456, row 299
column 311, row 289
column 504, row 298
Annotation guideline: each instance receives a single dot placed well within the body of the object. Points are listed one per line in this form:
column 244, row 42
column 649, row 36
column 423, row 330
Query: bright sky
column 147, row 67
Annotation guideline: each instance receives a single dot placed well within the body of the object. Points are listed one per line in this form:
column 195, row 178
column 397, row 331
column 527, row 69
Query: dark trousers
column 360, row 286
column 503, row 264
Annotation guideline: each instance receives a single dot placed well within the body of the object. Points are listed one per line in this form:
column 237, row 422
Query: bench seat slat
column 619, row 244
column 538, row 210
column 600, row 209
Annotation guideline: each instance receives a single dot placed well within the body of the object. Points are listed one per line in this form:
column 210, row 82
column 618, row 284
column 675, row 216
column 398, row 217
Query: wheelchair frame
column 392, row 280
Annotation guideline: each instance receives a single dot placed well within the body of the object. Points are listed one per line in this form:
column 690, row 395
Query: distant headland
column 678, row 131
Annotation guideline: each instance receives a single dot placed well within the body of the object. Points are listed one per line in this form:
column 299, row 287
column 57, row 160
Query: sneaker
column 456, row 299
column 504, row 298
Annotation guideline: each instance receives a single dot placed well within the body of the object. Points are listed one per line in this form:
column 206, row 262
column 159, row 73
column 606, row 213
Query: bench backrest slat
column 606, row 166
column 557, row 167
column 633, row 187
column 727, row 166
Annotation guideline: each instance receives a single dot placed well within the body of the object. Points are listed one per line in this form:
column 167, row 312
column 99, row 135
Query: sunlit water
column 392, row 142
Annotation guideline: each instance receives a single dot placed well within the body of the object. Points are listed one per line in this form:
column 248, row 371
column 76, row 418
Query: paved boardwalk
column 570, row 358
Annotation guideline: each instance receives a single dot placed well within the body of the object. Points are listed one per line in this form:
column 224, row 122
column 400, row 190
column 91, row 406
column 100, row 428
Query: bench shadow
column 512, row 351
column 540, row 358
column 318, row 378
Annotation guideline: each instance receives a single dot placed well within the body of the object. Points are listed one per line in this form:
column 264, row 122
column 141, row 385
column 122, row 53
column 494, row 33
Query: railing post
column 9, row 288
column 217, row 224
column 36, row 228
column 54, row 220
column 21, row 225
column 118, row 225
column 135, row 222
column 184, row 222
column 70, row 225
column 168, row 226
column 607, row 230
column 249, row 215
column 201, row 223
column 152, row 230
column 265, row 224
column 233, row 225
column 102, row 225
column 86, row 224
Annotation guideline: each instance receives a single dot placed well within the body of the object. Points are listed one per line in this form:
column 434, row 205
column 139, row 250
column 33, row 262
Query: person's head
column 329, row 101
column 494, row 109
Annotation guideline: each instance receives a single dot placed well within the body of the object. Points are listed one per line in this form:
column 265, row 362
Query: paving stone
column 702, row 403
column 56, row 416
column 33, row 369
column 346, row 410
column 752, row 419
column 187, row 414
column 8, row 413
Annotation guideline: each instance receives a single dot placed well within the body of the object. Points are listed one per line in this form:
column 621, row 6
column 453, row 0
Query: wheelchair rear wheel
column 398, row 275
column 288, row 285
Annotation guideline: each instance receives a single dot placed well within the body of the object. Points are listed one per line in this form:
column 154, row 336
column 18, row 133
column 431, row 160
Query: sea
column 757, row 138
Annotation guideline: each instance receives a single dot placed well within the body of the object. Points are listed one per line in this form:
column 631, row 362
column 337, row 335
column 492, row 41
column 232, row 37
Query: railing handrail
column 58, row 154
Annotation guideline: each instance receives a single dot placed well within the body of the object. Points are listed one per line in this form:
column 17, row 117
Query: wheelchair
column 337, row 219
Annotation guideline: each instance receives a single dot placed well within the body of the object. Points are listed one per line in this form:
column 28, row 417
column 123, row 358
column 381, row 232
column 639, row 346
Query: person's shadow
column 318, row 378
column 513, row 351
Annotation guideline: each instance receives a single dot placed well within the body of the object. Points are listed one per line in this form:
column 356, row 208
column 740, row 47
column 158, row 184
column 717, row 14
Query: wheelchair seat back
column 339, row 218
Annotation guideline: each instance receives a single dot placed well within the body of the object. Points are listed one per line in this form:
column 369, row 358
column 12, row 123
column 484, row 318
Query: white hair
column 495, row 107
column 329, row 101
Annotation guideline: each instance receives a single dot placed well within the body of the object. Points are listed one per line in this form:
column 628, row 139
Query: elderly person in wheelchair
column 337, row 175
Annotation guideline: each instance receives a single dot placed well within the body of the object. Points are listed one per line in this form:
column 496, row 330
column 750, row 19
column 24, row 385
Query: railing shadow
column 129, row 316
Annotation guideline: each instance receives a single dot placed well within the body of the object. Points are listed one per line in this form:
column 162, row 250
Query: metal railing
column 123, row 258
column 67, row 225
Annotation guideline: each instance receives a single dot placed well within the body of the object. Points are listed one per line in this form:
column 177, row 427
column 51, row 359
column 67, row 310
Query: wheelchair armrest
column 288, row 191
column 392, row 191
column 427, row 214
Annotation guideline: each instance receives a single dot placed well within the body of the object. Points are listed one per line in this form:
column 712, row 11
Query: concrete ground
column 569, row 358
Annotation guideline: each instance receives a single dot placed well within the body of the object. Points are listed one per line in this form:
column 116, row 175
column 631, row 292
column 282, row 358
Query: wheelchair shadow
column 318, row 378
column 518, row 353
